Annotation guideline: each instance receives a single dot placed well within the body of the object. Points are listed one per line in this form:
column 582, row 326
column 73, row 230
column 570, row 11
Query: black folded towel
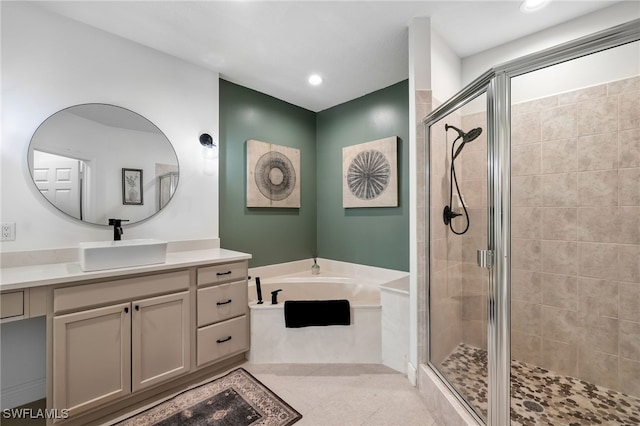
column 305, row 313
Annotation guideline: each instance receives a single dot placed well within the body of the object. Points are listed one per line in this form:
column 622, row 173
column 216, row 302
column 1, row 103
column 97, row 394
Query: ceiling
column 273, row 46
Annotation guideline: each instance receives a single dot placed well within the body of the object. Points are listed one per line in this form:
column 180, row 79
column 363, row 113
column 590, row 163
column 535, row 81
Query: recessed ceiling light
column 533, row 5
column 315, row 79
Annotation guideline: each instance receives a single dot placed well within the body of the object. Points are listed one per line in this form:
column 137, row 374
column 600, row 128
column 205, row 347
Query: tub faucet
column 117, row 228
column 274, row 296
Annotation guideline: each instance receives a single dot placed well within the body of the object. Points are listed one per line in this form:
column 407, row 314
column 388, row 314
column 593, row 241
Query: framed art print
column 132, row 186
column 273, row 175
column 370, row 174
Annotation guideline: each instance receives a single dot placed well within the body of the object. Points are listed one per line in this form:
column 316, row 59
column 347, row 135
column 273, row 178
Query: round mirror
column 97, row 161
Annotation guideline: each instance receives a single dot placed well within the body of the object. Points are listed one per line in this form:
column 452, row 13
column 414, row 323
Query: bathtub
column 358, row 343
column 317, row 287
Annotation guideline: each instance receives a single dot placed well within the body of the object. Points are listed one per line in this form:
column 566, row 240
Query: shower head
column 466, row 137
column 470, row 136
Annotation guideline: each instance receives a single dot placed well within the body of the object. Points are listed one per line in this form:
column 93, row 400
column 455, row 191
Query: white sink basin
column 95, row 256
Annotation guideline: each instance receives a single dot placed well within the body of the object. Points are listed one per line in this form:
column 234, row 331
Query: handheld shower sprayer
column 470, row 136
column 448, row 214
column 259, row 290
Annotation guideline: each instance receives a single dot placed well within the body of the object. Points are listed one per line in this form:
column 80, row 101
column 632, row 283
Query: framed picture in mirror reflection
column 132, row 186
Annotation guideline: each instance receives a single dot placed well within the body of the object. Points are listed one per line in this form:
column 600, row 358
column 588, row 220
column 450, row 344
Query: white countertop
column 57, row 273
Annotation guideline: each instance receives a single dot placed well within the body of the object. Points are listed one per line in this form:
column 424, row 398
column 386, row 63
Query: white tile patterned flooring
column 345, row 394
column 332, row 395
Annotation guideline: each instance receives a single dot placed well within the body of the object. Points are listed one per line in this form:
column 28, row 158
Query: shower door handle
column 485, row 258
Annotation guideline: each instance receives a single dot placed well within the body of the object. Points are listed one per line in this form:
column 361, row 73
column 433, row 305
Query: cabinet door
column 91, row 357
column 160, row 339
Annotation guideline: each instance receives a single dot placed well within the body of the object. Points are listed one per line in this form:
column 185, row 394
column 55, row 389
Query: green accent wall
column 369, row 236
column 271, row 235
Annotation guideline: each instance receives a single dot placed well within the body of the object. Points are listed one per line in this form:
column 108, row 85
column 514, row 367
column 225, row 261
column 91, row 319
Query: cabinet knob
column 137, row 307
column 126, row 310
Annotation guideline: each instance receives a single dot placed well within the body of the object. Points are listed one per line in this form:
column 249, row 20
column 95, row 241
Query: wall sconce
column 207, row 141
column 209, row 154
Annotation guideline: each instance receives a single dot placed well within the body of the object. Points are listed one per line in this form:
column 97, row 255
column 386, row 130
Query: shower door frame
column 496, row 82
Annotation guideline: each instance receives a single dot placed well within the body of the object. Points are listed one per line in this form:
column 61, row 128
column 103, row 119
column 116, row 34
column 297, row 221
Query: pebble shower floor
column 539, row 396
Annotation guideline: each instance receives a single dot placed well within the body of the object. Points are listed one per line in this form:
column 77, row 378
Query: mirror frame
column 160, row 204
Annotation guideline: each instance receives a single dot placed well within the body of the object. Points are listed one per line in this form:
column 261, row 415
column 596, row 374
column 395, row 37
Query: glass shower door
column 550, row 331
column 575, row 229
column 458, row 287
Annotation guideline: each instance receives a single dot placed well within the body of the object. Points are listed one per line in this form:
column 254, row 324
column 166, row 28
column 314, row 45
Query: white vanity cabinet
column 222, row 312
column 118, row 339
column 12, row 305
column 22, row 304
column 105, row 353
column 91, row 358
column 160, row 339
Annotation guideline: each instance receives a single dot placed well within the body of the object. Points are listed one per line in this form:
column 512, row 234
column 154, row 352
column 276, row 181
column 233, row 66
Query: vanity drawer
column 11, row 304
column 90, row 295
column 221, row 302
column 223, row 339
column 222, row 273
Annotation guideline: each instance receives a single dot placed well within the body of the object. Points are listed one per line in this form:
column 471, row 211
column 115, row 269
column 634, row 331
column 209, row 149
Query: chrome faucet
column 117, row 228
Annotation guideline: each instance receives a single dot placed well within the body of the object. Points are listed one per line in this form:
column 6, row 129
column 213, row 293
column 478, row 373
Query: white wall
column 609, row 65
column 614, row 64
column 50, row 63
column 420, row 54
column 446, row 69
column 475, row 65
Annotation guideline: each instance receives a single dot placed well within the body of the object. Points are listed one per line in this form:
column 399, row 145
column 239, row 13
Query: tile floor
column 539, row 396
column 336, row 395
column 345, row 394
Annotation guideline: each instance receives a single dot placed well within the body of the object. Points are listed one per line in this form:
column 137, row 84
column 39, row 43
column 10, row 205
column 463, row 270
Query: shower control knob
column 449, row 214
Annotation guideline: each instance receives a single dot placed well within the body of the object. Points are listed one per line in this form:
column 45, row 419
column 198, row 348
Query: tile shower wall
column 472, row 175
column 445, row 251
column 576, row 234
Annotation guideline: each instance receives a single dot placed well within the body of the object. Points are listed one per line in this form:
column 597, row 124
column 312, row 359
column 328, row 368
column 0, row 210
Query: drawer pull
column 223, row 340
column 223, row 273
column 224, row 303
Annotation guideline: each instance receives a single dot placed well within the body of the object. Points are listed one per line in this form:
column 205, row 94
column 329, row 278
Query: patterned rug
column 235, row 399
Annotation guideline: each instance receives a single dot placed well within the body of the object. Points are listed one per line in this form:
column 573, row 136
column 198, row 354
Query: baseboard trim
column 412, row 374
column 23, row 393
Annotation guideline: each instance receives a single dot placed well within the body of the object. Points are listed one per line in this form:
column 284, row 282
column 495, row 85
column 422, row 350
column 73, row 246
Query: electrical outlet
column 8, row 231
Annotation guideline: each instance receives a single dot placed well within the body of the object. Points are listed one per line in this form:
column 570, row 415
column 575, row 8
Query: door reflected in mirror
column 76, row 158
